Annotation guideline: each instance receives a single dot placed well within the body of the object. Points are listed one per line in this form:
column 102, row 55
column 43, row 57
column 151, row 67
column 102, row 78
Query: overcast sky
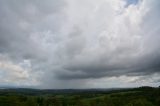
column 79, row 43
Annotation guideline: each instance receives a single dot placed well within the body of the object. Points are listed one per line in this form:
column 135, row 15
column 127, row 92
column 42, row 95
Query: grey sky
column 79, row 43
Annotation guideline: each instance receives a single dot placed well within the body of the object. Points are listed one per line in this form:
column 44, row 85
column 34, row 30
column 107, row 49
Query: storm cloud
column 79, row 43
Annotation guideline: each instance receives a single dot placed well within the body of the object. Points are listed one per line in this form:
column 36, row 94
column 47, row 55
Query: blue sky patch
column 134, row 2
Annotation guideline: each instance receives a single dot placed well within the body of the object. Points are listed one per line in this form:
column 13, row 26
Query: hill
column 142, row 96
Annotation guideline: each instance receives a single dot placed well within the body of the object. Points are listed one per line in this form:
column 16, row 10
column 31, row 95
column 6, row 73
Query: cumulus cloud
column 70, row 43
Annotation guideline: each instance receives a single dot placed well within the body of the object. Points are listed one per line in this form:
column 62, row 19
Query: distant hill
column 141, row 96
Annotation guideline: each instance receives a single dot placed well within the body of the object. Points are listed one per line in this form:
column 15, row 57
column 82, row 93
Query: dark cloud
column 61, row 41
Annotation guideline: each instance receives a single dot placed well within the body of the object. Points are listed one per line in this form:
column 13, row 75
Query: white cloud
column 13, row 72
column 79, row 41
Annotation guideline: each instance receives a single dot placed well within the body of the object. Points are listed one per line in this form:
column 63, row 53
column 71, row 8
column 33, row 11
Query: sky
column 79, row 43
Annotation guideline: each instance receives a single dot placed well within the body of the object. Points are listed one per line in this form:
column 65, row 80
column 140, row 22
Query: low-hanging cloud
column 75, row 41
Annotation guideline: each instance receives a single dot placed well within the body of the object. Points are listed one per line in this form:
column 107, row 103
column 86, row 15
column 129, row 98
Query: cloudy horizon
column 79, row 43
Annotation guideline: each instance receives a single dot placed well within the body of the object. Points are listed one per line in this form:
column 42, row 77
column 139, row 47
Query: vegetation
column 143, row 96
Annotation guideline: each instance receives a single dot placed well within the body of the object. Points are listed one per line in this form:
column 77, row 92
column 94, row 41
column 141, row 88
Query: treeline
column 143, row 96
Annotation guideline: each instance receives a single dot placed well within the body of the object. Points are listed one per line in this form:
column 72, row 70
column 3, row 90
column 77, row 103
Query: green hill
column 142, row 96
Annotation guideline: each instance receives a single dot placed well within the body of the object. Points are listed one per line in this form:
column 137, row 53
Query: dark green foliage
column 143, row 96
